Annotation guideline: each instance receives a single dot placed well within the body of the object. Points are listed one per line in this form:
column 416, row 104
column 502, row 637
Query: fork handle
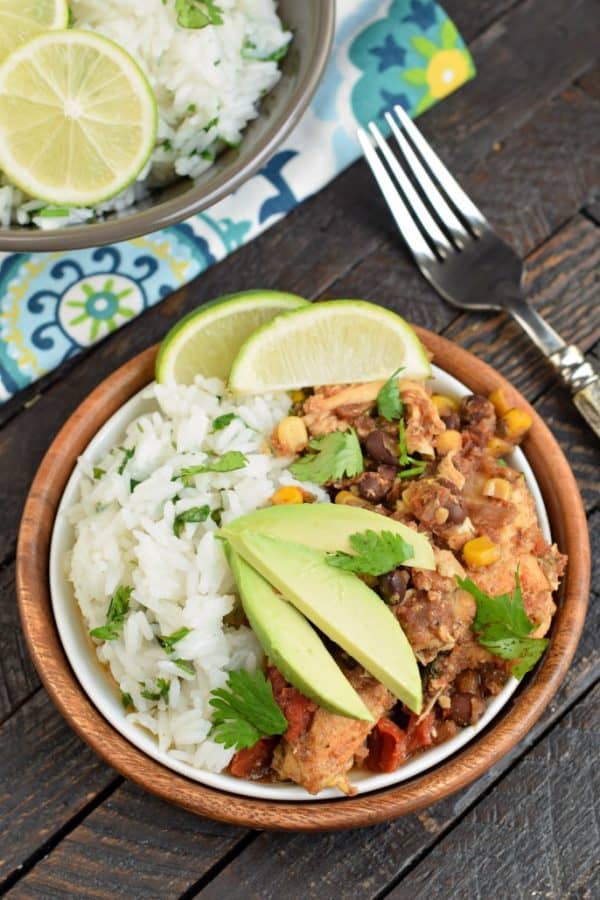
column 567, row 359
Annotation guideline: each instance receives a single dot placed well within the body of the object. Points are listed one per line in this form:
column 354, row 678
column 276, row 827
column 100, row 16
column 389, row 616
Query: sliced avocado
column 293, row 645
column 341, row 605
column 328, row 526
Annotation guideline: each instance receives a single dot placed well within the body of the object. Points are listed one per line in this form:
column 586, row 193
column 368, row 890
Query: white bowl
column 103, row 692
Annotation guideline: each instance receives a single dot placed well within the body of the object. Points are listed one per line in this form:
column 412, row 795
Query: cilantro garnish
column 339, row 455
column 223, row 421
column 389, row 401
column 416, row 466
column 161, row 693
column 127, row 455
column 126, row 700
column 195, row 514
column 198, row 13
column 115, row 615
column 503, row 627
column 185, row 665
column 229, row 462
column 245, row 711
column 98, row 472
column 376, row 553
column 53, row 212
column 167, row 641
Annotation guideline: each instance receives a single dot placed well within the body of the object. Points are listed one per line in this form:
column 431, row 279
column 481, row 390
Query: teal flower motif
column 98, row 305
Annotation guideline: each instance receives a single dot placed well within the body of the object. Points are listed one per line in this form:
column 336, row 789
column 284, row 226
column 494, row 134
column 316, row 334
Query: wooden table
column 524, row 138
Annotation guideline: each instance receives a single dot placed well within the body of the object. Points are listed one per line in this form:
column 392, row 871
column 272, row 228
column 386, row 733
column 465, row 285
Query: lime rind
column 21, row 175
column 181, row 337
column 334, row 332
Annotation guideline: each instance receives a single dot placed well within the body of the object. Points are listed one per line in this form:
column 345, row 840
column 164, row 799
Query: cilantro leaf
column 115, row 615
column 389, row 401
column 376, row 553
column 223, row 421
column 185, row 665
column 127, row 455
column 161, row 693
column 415, row 466
column 339, row 454
column 98, row 472
column 194, row 514
column 198, row 13
column 167, row 641
column 229, row 462
column 503, row 627
column 126, row 700
column 245, row 711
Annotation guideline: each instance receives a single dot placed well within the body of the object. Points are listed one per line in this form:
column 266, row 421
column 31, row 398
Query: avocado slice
column 341, row 605
column 293, row 645
column 328, row 526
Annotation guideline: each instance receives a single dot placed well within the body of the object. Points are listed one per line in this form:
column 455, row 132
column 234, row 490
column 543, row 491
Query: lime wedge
column 206, row 341
column 77, row 118
column 334, row 342
column 20, row 20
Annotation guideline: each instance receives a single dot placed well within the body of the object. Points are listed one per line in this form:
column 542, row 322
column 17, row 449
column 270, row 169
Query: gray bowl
column 312, row 23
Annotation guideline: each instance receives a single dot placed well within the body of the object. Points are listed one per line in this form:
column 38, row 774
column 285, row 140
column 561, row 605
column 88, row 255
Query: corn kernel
column 499, row 401
column 480, row 551
column 445, row 404
column 291, row 434
column 441, row 515
column 498, row 447
column 297, row 396
column 287, row 494
column 447, row 441
column 515, row 422
column 499, row 488
column 347, row 498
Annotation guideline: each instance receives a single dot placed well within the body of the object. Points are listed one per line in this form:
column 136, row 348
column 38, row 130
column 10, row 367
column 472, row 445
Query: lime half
column 206, row 341
column 334, row 342
column 20, row 20
column 77, row 118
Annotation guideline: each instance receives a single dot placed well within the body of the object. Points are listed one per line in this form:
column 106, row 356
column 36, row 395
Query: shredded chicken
column 423, row 422
column 330, row 408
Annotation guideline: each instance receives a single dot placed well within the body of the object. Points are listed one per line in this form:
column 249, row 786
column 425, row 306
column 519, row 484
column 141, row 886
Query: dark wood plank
column 590, row 82
column 472, row 17
column 131, row 846
column 47, row 776
column 536, row 834
column 18, row 678
column 562, row 282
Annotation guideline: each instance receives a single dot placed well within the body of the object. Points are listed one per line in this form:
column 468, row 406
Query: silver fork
column 458, row 252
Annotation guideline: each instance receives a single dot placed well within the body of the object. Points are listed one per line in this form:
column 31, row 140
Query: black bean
column 478, row 414
column 393, row 586
column 382, row 448
column 451, row 420
column 373, row 486
column 460, row 709
column 456, row 513
column 468, row 681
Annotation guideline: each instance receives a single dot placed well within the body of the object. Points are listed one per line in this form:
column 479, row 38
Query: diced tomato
column 253, row 761
column 297, row 708
column 387, row 747
column 419, row 732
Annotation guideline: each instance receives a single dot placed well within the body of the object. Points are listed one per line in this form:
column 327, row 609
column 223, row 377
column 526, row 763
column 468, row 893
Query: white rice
column 126, row 537
column 207, row 81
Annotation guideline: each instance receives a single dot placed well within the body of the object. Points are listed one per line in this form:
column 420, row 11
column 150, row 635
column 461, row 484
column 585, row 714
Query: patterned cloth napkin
column 53, row 305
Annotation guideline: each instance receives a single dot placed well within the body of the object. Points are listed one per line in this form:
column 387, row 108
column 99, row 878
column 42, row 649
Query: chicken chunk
column 330, row 408
column 423, row 423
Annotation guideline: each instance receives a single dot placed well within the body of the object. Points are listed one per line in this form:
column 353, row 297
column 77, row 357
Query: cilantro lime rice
column 208, row 65
column 148, row 573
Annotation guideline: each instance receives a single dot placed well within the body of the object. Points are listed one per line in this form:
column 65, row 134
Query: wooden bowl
column 569, row 530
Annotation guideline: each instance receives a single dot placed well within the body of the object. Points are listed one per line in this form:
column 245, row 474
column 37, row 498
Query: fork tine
column 451, row 187
column 417, row 244
column 418, row 208
column 437, row 200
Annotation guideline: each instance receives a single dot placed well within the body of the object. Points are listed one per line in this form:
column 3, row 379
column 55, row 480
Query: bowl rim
column 176, row 210
column 569, row 528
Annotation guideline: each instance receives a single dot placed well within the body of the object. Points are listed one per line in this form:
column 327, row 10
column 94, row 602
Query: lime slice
column 334, row 342
column 77, row 118
column 206, row 341
column 20, row 20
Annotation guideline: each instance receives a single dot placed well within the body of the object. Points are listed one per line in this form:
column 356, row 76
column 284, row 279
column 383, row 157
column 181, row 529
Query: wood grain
column 125, row 848
column 18, row 678
column 47, row 776
column 560, row 492
column 552, row 792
